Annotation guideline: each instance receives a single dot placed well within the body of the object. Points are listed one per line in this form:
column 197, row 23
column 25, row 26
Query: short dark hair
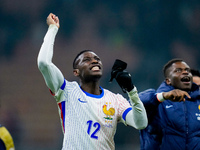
column 195, row 72
column 169, row 64
column 83, row 51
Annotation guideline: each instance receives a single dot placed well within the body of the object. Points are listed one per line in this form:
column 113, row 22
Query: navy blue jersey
column 172, row 125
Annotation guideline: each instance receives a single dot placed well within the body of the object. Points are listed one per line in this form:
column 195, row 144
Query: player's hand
column 124, row 80
column 53, row 19
column 176, row 95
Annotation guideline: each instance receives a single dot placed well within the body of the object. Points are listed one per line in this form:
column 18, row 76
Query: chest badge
column 108, row 112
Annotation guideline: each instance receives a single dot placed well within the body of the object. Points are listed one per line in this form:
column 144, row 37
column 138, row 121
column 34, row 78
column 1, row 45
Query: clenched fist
column 53, row 19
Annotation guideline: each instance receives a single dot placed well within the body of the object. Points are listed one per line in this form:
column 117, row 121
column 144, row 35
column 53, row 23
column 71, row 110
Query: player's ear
column 76, row 72
column 168, row 81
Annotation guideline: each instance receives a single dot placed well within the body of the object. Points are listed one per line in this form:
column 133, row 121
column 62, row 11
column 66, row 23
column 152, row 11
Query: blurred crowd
column 152, row 29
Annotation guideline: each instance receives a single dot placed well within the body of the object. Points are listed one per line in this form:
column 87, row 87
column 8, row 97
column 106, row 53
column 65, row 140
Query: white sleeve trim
column 160, row 97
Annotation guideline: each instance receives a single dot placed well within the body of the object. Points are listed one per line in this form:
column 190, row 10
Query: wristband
column 160, row 97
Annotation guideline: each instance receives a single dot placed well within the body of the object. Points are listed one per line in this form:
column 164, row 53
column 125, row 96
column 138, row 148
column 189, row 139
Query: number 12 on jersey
column 91, row 125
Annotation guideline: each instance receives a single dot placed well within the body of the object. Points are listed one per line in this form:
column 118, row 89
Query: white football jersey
column 89, row 121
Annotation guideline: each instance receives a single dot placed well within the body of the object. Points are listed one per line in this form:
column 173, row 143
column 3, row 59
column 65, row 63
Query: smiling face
column 179, row 76
column 88, row 67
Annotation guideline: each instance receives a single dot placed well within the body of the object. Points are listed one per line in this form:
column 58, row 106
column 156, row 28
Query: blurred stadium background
column 145, row 34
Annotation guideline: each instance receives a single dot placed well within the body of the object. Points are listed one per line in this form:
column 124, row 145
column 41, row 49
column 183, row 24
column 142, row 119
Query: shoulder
column 66, row 88
column 69, row 84
column 148, row 91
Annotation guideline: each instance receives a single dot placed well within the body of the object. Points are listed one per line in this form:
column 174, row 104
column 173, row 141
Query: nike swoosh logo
column 81, row 101
column 169, row 106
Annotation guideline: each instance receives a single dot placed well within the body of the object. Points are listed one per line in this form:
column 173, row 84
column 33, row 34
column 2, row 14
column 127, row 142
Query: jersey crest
column 109, row 112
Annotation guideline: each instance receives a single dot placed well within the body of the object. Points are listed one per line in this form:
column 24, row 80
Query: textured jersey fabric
column 89, row 121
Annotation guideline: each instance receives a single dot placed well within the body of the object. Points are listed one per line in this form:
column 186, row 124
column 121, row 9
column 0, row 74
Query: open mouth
column 186, row 79
column 95, row 68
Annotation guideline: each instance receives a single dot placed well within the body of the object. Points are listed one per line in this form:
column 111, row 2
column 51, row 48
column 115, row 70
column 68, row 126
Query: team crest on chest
column 109, row 112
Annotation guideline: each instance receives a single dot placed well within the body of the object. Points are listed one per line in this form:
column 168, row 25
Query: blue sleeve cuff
column 126, row 112
column 63, row 85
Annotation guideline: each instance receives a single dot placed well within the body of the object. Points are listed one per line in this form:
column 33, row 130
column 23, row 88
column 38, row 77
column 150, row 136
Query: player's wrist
column 133, row 91
column 133, row 95
column 130, row 87
column 160, row 97
column 53, row 26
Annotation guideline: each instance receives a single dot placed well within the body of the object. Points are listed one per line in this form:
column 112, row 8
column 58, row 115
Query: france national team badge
column 109, row 112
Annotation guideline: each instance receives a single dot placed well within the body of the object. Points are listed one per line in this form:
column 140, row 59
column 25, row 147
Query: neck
column 92, row 88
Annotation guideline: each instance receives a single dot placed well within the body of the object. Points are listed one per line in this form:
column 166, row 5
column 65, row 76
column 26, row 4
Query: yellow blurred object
column 6, row 137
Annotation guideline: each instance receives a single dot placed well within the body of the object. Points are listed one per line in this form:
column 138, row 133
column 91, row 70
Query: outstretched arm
column 52, row 75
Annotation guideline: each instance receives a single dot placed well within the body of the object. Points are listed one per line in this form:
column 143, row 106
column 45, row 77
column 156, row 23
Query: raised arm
column 137, row 117
column 52, row 75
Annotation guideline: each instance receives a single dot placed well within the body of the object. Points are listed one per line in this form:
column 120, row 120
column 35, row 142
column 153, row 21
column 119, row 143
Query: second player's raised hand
column 53, row 19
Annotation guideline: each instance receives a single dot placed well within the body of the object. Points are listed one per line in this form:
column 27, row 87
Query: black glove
column 117, row 67
column 124, row 80
column 122, row 77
